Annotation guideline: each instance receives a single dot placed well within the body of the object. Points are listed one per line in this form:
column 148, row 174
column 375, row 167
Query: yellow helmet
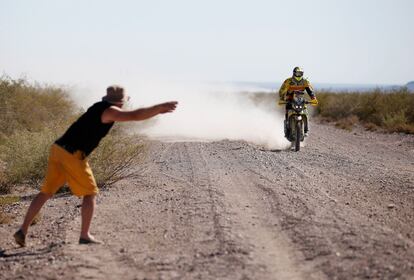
column 297, row 73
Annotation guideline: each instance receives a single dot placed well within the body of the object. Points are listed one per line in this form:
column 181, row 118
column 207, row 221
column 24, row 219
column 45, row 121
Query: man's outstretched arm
column 116, row 114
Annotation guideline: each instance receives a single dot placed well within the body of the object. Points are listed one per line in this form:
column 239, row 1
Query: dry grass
column 26, row 155
column 391, row 111
column 119, row 156
column 32, row 116
column 6, row 200
column 31, row 107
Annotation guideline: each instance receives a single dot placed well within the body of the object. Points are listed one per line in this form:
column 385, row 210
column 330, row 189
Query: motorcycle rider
column 286, row 92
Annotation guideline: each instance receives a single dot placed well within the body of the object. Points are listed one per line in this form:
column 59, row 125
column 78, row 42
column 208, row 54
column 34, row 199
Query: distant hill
column 410, row 86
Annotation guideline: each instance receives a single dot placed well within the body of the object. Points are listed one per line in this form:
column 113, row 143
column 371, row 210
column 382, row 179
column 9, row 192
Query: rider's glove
column 314, row 102
column 281, row 102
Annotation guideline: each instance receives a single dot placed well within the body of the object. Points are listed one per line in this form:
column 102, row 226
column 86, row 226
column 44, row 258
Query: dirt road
column 343, row 208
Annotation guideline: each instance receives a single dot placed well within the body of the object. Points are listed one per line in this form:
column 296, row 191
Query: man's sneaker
column 20, row 238
column 306, row 134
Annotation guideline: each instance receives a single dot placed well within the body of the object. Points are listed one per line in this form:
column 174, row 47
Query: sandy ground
column 341, row 208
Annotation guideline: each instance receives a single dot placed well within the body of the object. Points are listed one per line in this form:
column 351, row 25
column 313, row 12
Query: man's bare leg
column 34, row 208
column 88, row 207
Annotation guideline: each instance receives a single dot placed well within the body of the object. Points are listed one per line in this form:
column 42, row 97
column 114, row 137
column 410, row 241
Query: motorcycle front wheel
column 298, row 135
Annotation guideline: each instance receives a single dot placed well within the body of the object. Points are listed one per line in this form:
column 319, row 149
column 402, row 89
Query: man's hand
column 167, row 107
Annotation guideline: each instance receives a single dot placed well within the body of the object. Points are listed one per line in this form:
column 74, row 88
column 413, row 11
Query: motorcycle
column 297, row 116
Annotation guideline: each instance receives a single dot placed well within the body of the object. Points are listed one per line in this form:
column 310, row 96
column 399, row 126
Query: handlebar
column 285, row 102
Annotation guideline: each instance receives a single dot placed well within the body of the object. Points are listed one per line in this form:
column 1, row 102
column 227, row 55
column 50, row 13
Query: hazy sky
column 96, row 41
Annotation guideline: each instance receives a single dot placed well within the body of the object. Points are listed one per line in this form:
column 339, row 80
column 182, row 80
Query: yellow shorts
column 71, row 168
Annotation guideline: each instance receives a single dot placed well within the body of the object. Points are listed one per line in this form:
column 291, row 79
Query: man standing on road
column 68, row 156
column 296, row 83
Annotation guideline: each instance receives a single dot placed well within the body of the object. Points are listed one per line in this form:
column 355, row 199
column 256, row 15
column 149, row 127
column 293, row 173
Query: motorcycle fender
column 299, row 118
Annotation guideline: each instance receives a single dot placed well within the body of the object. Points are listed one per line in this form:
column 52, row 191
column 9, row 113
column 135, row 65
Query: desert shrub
column 25, row 154
column 4, row 188
column 370, row 126
column 392, row 111
column 335, row 107
column 118, row 156
column 25, row 106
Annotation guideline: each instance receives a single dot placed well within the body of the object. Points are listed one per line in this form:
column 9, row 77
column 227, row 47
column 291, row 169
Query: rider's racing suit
column 286, row 94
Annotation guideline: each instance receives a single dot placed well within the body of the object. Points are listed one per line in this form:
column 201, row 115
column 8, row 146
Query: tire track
column 254, row 223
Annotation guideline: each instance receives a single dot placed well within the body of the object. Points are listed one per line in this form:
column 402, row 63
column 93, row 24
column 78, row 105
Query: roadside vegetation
column 32, row 116
column 390, row 111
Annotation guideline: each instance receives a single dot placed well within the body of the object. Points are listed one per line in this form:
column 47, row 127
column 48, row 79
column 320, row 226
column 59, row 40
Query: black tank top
column 86, row 133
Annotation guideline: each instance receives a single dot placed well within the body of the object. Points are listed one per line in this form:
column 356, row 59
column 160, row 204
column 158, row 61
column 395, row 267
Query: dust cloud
column 206, row 111
column 210, row 112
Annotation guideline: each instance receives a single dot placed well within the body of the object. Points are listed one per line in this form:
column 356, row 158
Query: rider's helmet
column 297, row 73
